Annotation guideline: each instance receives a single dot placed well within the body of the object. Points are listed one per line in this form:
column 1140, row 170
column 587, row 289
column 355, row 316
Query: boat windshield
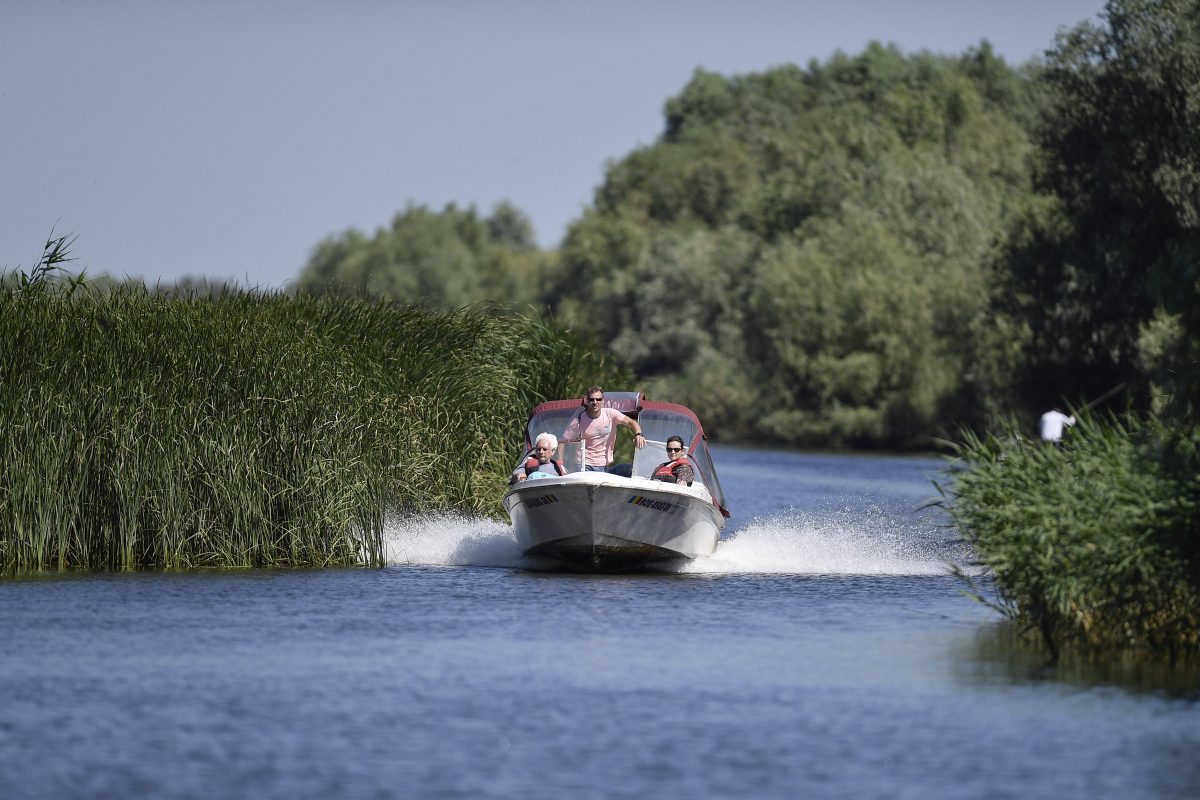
column 555, row 421
column 657, row 425
column 660, row 424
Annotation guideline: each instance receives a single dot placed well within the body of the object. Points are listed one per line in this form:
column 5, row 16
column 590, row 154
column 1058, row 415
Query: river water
column 823, row 651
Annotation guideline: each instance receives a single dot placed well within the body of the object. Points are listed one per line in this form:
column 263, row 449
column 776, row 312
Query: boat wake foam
column 793, row 544
column 453, row 540
column 830, row 545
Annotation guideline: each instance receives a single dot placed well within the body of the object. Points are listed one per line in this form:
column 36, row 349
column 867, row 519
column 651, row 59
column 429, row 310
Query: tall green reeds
column 1095, row 542
column 253, row 429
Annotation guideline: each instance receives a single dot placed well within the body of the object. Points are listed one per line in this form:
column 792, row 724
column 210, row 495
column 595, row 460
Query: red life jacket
column 532, row 465
column 666, row 471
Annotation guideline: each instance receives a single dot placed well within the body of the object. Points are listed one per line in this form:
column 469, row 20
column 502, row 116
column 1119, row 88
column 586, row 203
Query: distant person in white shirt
column 1053, row 422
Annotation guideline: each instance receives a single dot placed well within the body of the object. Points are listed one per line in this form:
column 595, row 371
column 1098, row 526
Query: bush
column 1093, row 542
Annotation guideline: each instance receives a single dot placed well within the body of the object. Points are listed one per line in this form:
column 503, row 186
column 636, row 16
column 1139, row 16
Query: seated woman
column 541, row 462
column 676, row 469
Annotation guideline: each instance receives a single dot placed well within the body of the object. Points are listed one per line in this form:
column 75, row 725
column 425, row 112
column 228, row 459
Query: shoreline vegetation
column 1093, row 545
column 250, row 429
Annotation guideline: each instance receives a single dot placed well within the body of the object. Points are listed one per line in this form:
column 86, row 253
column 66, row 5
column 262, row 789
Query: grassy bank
column 251, row 429
column 1094, row 543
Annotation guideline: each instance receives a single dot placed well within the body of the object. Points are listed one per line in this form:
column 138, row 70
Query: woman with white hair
column 541, row 462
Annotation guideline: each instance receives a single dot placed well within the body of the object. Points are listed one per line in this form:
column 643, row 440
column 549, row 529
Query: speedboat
column 600, row 521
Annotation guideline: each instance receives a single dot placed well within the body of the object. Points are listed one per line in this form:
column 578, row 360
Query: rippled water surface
column 822, row 652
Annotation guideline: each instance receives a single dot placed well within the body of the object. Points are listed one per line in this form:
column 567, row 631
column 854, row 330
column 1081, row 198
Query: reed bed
column 249, row 429
column 1094, row 543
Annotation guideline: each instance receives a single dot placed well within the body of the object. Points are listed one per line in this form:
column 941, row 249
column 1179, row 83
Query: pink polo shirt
column 599, row 435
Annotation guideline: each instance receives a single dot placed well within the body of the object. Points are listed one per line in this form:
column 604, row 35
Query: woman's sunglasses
column 674, row 449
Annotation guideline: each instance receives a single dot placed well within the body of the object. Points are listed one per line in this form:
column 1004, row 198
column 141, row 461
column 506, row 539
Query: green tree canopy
column 449, row 258
column 1121, row 247
column 875, row 249
column 821, row 243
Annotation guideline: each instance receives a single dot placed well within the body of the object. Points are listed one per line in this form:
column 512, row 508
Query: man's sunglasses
column 674, row 449
column 595, row 399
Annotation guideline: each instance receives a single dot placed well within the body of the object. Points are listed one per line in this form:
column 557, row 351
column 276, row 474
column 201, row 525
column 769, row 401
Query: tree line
column 872, row 250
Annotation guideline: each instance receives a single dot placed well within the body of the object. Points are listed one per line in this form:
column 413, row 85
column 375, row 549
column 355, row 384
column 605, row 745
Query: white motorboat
column 603, row 521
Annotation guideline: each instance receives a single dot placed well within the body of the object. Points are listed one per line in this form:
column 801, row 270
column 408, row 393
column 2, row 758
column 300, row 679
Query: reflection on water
column 999, row 653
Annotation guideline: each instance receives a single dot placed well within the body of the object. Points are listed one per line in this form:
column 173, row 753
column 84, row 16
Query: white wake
column 822, row 545
column 456, row 540
column 794, row 544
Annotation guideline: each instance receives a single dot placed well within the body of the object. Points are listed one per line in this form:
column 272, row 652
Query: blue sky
column 225, row 139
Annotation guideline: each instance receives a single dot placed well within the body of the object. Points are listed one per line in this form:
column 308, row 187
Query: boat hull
column 597, row 521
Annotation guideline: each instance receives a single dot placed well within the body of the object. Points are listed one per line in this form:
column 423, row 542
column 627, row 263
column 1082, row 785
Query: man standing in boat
column 596, row 426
